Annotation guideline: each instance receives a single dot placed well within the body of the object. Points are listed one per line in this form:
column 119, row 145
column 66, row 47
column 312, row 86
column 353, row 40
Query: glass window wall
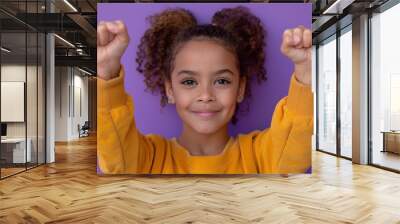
column 385, row 89
column 327, row 95
column 22, row 88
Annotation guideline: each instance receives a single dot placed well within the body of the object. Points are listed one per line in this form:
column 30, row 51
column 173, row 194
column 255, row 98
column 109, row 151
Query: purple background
column 151, row 118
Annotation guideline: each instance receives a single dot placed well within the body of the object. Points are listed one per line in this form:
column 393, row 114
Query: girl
column 204, row 71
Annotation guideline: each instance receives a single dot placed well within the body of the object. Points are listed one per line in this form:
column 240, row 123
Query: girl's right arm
column 121, row 148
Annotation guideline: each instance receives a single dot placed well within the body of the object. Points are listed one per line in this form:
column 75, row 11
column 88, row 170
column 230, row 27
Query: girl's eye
column 189, row 82
column 223, row 82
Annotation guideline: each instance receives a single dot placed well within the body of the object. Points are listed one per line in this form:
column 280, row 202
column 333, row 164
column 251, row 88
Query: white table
column 19, row 155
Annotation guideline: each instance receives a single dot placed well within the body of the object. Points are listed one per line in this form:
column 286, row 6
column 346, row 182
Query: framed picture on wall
column 204, row 88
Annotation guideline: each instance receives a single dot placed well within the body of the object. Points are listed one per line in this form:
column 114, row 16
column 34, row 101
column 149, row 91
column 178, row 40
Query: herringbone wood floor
column 69, row 191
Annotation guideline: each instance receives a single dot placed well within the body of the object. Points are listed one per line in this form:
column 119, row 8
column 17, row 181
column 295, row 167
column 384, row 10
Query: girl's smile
column 206, row 114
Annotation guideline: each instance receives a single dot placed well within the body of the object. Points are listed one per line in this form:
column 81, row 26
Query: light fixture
column 65, row 41
column 80, row 51
column 86, row 72
column 5, row 50
column 70, row 5
column 337, row 7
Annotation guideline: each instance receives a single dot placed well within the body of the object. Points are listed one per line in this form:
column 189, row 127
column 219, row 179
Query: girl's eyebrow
column 222, row 71
column 189, row 72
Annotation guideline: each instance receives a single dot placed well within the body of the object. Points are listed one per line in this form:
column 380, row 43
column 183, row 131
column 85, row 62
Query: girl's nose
column 206, row 94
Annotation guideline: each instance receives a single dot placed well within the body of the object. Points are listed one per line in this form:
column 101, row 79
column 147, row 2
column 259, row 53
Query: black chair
column 84, row 130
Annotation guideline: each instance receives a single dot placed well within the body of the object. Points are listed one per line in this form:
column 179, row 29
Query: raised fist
column 296, row 45
column 112, row 41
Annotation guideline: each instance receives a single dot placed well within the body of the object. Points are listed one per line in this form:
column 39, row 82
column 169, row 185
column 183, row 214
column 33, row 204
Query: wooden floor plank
column 69, row 191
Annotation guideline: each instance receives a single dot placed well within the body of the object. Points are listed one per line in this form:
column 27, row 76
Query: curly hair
column 237, row 29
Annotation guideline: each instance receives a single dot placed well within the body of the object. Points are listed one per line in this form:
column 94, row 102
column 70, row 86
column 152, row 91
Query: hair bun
column 156, row 41
column 249, row 32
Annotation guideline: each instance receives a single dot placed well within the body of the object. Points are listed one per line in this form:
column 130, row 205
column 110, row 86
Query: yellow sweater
column 285, row 147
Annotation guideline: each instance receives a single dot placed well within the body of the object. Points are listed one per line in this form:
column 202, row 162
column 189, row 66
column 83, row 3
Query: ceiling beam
column 86, row 26
column 83, row 61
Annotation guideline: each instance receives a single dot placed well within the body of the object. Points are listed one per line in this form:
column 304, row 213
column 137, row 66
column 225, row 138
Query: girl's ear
column 169, row 92
column 242, row 89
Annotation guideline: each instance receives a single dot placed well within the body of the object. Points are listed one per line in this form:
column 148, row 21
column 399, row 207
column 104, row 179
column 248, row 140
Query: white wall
column 71, row 93
column 81, row 100
column 61, row 103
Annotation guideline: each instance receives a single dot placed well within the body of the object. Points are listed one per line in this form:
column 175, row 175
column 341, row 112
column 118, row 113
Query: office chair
column 84, row 130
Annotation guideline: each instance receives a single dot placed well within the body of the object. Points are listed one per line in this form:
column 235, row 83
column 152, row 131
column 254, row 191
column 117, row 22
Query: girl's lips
column 205, row 114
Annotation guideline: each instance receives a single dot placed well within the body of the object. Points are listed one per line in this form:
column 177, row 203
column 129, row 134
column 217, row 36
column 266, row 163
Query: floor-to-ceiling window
column 385, row 89
column 334, row 93
column 326, row 136
column 22, row 88
column 345, row 93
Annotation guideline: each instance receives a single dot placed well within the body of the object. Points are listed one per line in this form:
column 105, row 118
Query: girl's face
column 205, row 85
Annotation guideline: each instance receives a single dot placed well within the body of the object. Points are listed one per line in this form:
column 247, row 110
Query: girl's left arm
column 286, row 146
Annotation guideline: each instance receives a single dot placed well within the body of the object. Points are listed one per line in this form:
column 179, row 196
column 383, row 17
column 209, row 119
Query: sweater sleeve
column 285, row 147
column 121, row 148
